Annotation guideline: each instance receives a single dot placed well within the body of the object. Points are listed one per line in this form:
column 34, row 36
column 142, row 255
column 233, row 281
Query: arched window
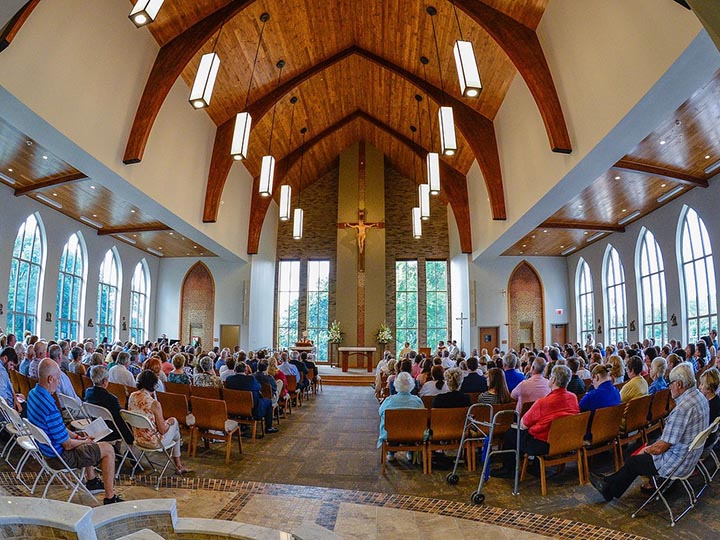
column 651, row 284
column 108, row 297
column 698, row 276
column 28, row 260
column 615, row 303
column 139, row 302
column 585, row 306
column 70, row 289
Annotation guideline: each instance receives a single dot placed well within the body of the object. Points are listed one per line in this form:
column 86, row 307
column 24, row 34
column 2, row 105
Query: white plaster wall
column 262, row 284
column 459, row 286
column 604, row 55
column 229, row 277
column 663, row 223
column 58, row 228
column 81, row 67
column 491, row 278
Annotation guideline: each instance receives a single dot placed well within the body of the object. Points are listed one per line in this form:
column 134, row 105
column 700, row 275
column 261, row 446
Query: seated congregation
column 654, row 410
column 54, row 395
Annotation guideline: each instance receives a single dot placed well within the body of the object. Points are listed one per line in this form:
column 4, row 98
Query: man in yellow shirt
column 637, row 385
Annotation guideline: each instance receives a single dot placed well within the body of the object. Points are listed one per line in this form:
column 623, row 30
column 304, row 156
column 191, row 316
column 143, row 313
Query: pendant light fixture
column 202, row 88
column 424, row 196
column 243, row 120
column 448, row 141
column 298, row 214
column 416, row 223
column 144, row 12
column 424, row 201
column 432, row 160
column 267, row 170
column 285, row 189
column 466, row 64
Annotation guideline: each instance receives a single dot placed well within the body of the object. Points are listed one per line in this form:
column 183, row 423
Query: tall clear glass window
column 653, row 298
column 585, row 305
column 108, row 297
column 26, row 267
column 406, row 304
column 318, row 295
column 139, row 301
column 698, row 276
column 436, row 291
column 70, row 290
column 288, row 303
column 615, row 299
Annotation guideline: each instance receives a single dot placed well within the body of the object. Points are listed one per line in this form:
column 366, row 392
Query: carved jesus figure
column 362, row 228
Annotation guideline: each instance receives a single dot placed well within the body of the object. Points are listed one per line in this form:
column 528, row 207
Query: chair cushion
column 230, row 425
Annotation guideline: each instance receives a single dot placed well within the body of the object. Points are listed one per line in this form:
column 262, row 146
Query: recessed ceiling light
column 94, row 215
column 132, row 211
column 524, row 245
column 662, row 142
column 171, row 233
column 29, row 143
column 579, row 205
column 134, row 235
column 54, row 194
column 522, row 252
column 536, row 253
column 562, row 247
column 585, row 232
column 182, row 237
column 92, row 187
column 159, row 247
column 44, row 157
column 707, row 157
column 663, row 185
column 617, row 178
column 201, row 253
column 187, row 254
column 10, row 170
column 194, row 247
column 533, row 236
column 624, row 210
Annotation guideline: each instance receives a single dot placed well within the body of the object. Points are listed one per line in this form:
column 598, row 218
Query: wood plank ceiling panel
column 552, row 242
column 167, row 243
column 689, row 139
column 176, row 17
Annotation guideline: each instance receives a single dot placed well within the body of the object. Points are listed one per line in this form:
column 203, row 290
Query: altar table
column 360, row 351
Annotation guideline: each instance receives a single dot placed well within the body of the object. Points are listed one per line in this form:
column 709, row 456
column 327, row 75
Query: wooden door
column 229, row 336
column 488, row 338
column 558, row 334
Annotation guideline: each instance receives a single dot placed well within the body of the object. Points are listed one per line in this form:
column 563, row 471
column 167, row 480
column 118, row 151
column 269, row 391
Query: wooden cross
column 362, row 226
column 461, row 319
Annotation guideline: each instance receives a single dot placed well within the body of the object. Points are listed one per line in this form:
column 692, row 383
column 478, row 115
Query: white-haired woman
column 454, row 397
column 404, row 384
column 658, row 367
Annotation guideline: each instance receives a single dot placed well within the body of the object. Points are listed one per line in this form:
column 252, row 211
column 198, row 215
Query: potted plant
column 383, row 335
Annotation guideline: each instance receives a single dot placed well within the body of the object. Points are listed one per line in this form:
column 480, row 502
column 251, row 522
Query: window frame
column 583, row 274
column 318, row 333
column 109, row 323
column 614, row 296
column 401, row 296
column 141, row 298
column 283, row 332
column 655, row 279
column 78, row 282
column 434, row 333
column 35, row 267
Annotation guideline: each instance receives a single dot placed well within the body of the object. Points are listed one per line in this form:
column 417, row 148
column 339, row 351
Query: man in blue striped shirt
column 75, row 450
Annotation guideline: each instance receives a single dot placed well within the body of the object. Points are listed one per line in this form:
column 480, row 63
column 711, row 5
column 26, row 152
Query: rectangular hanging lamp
column 416, row 223
column 145, row 11
column 285, row 197
column 448, row 141
column 267, row 172
column 424, row 201
column 467, row 70
column 204, row 81
column 298, row 224
column 241, row 136
column 433, row 172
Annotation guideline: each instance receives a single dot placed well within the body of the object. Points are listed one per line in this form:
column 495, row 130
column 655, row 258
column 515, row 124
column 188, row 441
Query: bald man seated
column 77, row 451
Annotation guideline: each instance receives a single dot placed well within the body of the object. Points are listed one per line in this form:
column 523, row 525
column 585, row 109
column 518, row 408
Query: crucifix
column 362, row 226
column 461, row 319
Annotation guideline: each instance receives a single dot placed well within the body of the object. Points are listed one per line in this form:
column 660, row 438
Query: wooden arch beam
column 477, row 129
column 169, row 64
column 454, row 182
column 10, row 30
column 522, row 46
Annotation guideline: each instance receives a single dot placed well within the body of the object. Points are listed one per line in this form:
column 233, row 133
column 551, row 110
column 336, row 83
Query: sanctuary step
column 345, row 380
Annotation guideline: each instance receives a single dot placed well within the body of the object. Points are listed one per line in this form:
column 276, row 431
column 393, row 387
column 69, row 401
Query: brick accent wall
column 319, row 242
column 525, row 307
column 197, row 304
column 401, row 195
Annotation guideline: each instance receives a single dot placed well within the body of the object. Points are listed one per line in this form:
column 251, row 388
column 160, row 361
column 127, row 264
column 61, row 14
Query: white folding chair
column 96, row 411
column 68, row 476
column 74, row 408
column 697, row 443
column 709, row 452
column 139, row 421
column 19, row 436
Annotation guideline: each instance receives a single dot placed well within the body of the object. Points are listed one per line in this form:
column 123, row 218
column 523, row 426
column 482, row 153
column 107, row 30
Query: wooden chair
column 293, row 389
column 87, row 381
column 211, row 423
column 447, row 427
column 177, row 388
column 565, row 440
column 77, row 383
column 636, row 414
column 604, row 432
column 406, row 431
column 240, row 407
column 526, row 407
column 473, row 397
column 266, row 392
column 176, row 406
column 118, row 390
column 427, row 401
column 23, row 383
column 207, row 392
column 588, row 384
column 15, row 380
column 658, row 411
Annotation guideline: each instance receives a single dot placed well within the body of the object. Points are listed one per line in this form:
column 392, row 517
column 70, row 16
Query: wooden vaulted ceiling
column 680, row 154
column 33, row 171
column 345, row 58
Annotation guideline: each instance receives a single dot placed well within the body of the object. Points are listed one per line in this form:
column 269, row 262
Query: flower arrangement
column 383, row 335
column 335, row 333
